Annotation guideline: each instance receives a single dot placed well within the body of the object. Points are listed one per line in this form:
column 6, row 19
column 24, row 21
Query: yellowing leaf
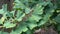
column 2, row 19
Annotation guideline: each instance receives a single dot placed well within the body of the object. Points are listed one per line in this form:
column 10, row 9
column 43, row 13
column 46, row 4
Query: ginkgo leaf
column 2, row 20
column 1, row 11
column 57, row 18
column 5, row 33
column 21, row 28
column 21, row 17
column 35, row 18
column 27, row 10
column 19, row 4
column 19, row 14
column 13, row 32
column 8, row 24
column 38, row 9
column 31, row 25
column 46, row 17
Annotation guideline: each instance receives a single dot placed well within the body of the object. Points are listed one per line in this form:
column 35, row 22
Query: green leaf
column 12, row 12
column 1, row 11
column 21, row 17
column 18, row 4
column 27, row 10
column 35, row 18
column 2, row 19
column 9, row 14
column 44, row 3
column 46, row 17
column 8, row 24
column 58, row 27
column 58, row 11
column 38, row 10
column 32, row 25
column 57, row 18
column 1, row 32
column 5, row 33
column 21, row 28
column 4, row 7
column 19, row 14
column 1, row 22
column 29, row 32
column 13, row 32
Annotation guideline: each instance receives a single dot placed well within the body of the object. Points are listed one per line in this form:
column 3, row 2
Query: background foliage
column 29, row 15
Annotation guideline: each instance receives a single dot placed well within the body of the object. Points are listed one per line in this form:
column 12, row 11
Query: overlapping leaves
column 23, row 18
